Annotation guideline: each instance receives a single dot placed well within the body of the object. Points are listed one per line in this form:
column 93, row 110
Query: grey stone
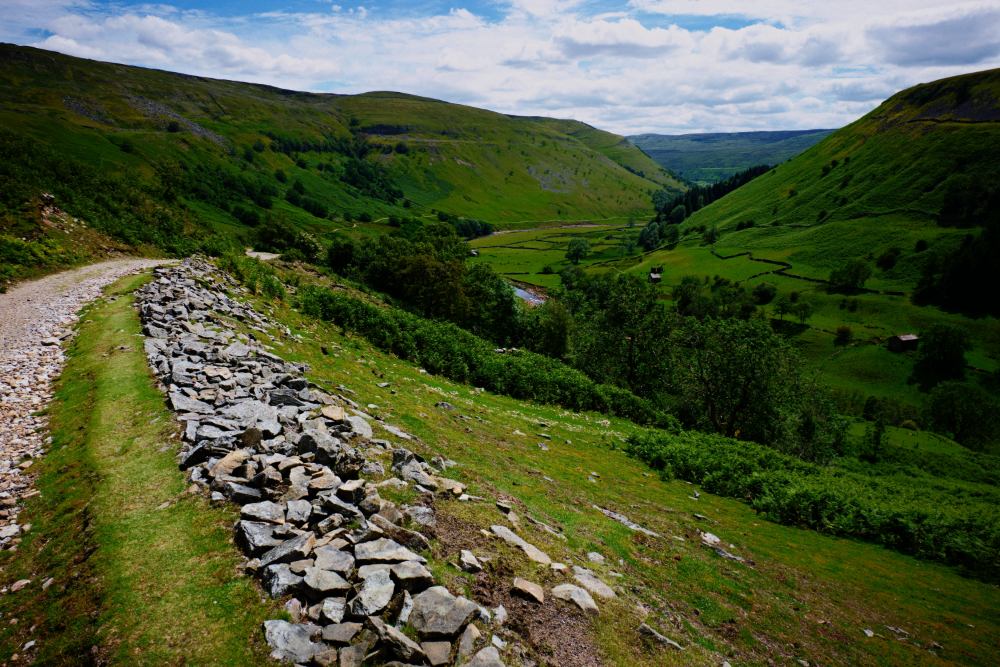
column 384, row 551
column 439, row 614
column 298, row 511
column 341, row 633
column 333, row 610
column 325, row 581
column 420, row 515
column 360, row 427
column 279, row 580
column 289, row 550
column 375, row 593
column 395, row 641
column 264, row 511
column 292, row 642
column 437, row 653
column 578, row 596
column 488, row 657
column 469, row 562
column 182, row 403
column 255, row 537
column 589, row 580
column 652, row 634
column 467, row 643
column 513, row 539
column 412, row 576
column 329, row 558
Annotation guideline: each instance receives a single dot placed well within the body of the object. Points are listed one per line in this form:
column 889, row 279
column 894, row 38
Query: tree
column 783, row 306
column 843, row 336
column 577, row 250
column 735, row 377
column 764, row 293
column 340, row 256
column 678, row 214
column 941, row 355
column 967, row 412
column 649, row 237
column 551, row 331
column 850, row 278
column 874, row 441
column 671, row 235
column 803, row 310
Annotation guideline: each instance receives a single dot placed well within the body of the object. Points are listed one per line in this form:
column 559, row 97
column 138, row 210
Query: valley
column 378, row 379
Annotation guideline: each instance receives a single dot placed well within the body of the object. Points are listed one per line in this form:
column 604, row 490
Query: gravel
column 36, row 318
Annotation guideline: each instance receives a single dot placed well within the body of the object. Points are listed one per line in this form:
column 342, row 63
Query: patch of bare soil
column 556, row 633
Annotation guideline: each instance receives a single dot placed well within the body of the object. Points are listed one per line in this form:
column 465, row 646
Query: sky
column 669, row 66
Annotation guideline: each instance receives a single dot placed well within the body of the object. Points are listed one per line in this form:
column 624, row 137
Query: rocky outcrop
column 257, row 433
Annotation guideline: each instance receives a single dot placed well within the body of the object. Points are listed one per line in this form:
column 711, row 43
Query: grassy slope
column 808, row 596
column 462, row 160
column 901, row 158
column 142, row 571
column 711, row 157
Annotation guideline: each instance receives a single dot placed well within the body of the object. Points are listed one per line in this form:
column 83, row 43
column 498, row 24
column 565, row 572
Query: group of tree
column 422, row 265
column 674, row 208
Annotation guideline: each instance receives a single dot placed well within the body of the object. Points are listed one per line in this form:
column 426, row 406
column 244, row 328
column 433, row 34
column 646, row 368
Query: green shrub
column 940, row 519
column 446, row 349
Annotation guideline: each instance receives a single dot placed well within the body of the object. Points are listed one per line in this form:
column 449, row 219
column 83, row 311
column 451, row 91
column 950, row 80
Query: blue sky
column 631, row 66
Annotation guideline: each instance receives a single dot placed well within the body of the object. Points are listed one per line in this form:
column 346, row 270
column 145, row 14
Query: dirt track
column 35, row 318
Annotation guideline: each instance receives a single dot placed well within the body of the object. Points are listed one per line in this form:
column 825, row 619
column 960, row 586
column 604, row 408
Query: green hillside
column 714, row 156
column 902, row 189
column 151, row 157
column 878, row 183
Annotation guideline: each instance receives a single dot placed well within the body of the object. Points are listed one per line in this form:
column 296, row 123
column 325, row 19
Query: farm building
column 903, row 342
column 656, row 274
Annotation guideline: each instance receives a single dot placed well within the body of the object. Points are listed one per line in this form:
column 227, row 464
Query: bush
column 844, row 335
column 446, row 349
column 945, row 521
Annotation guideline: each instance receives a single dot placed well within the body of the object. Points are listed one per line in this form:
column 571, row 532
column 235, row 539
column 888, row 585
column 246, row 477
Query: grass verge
column 142, row 573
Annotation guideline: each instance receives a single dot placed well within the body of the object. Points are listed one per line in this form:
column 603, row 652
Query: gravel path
column 35, row 318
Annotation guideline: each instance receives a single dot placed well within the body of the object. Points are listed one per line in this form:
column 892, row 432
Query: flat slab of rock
column 325, row 581
column 437, row 614
column 292, row 642
column 294, row 549
column 513, row 539
column 376, row 592
column 384, row 550
column 488, row 657
column 528, row 589
column 437, row 653
column 578, row 596
column 589, row 580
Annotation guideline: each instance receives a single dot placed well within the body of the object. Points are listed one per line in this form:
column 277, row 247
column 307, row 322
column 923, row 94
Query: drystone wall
column 257, row 433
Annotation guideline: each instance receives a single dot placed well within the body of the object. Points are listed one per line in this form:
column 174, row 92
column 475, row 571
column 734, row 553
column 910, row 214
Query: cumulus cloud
column 961, row 39
column 786, row 64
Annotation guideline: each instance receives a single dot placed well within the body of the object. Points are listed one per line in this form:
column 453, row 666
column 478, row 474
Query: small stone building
column 656, row 274
column 904, row 342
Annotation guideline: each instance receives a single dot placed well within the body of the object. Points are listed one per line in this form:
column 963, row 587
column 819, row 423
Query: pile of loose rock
column 295, row 457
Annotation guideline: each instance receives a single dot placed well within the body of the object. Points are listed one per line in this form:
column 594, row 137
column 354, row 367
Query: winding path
column 35, row 318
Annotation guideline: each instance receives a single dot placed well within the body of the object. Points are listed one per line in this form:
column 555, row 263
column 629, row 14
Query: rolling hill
column 152, row 157
column 909, row 187
column 711, row 157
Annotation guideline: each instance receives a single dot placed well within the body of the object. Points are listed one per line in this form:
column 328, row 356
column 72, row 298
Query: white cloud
column 796, row 65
